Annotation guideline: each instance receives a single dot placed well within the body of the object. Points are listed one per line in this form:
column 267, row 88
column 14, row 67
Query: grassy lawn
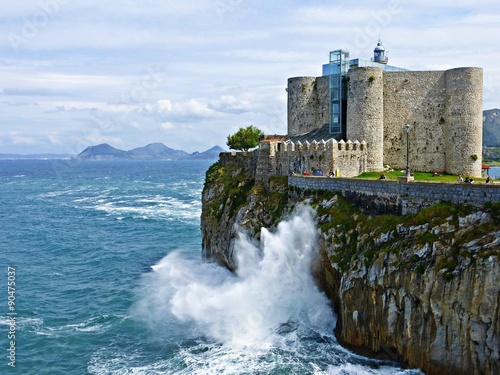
column 419, row 176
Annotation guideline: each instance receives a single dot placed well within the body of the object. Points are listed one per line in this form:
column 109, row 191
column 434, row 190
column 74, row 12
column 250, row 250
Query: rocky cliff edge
column 421, row 289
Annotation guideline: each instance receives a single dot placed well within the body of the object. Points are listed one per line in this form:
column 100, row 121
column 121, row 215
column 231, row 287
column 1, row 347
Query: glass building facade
column 337, row 70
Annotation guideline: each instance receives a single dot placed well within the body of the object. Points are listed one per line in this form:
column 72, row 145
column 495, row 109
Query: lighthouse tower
column 379, row 54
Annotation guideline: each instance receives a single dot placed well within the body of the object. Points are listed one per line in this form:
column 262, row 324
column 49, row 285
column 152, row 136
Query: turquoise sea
column 104, row 264
column 495, row 172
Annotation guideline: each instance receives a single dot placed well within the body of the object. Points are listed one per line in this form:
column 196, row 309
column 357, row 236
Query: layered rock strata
column 423, row 289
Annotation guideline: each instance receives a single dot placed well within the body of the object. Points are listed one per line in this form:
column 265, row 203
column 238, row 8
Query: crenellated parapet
column 322, row 145
column 343, row 158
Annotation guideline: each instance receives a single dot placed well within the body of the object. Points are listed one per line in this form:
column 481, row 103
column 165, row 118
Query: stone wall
column 323, row 103
column 392, row 197
column 245, row 160
column 279, row 158
column 444, row 110
column 418, row 99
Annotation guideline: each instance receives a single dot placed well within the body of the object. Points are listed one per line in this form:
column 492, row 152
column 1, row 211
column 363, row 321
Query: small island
column 153, row 151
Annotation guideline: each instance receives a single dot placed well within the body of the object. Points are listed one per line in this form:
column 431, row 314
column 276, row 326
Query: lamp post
column 407, row 150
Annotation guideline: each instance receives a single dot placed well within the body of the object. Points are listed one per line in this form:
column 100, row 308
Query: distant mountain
column 156, row 151
column 102, row 152
column 212, row 153
column 491, row 128
column 153, row 151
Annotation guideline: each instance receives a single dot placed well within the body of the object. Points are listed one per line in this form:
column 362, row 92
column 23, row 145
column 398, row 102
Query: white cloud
column 54, row 139
column 165, row 105
column 229, row 104
column 95, row 137
column 130, row 74
column 191, row 109
column 167, row 126
column 21, row 139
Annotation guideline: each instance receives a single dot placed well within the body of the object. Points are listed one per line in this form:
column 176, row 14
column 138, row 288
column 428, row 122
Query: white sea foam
column 87, row 326
column 57, row 193
column 98, row 324
column 155, row 208
column 51, row 194
column 267, row 317
column 273, row 286
column 21, row 322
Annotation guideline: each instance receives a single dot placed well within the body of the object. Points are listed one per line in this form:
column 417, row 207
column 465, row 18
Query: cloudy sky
column 75, row 73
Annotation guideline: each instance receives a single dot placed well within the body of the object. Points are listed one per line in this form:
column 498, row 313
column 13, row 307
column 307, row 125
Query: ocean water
column 107, row 278
column 495, row 172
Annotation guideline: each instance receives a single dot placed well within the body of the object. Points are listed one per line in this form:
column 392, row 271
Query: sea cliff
column 422, row 288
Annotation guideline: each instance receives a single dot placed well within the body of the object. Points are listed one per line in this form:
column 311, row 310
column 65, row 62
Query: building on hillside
column 354, row 119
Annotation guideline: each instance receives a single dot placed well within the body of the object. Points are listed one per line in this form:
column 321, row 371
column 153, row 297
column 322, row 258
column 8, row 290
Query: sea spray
column 272, row 287
column 267, row 317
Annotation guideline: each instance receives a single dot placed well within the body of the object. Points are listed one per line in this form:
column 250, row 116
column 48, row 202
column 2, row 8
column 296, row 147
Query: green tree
column 245, row 138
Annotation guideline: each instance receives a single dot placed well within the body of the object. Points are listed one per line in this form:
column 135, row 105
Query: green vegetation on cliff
column 401, row 286
column 236, row 188
column 233, row 189
column 350, row 234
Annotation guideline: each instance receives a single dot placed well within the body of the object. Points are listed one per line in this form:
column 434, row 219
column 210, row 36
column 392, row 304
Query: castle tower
column 365, row 113
column 379, row 54
column 302, row 98
column 464, row 121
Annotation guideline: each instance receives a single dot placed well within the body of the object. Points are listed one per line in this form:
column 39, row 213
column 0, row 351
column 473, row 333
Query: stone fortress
column 355, row 117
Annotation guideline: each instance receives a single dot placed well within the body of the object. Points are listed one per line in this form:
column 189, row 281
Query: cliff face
column 232, row 201
column 423, row 293
column 423, row 289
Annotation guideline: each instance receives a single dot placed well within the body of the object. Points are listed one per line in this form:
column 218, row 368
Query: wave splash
column 269, row 316
column 273, row 286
